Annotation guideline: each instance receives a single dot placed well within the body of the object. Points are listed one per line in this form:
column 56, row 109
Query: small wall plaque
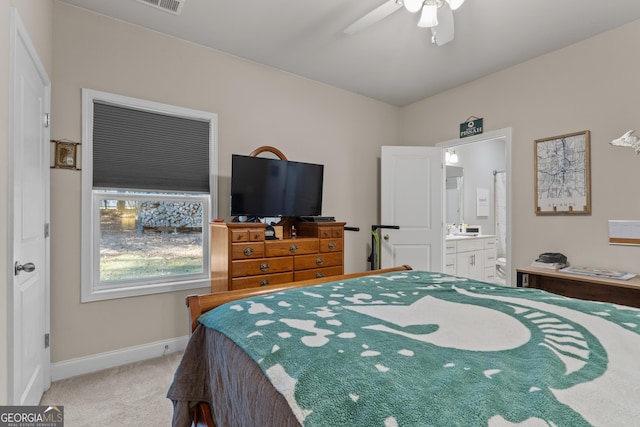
column 66, row 155
column 473, row 126
column 624, row 232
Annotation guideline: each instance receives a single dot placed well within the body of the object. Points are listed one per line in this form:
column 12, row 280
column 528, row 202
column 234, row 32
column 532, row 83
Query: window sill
column 141, row 290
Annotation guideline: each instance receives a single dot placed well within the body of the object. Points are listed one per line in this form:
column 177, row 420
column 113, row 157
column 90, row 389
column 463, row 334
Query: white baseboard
column 97, row 362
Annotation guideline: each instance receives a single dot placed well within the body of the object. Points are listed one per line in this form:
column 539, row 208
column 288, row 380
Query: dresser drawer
column 262, row 280
column 247, row 235
column 239, row 235
column 304, row 262
column 330, row 232
column 291, row 247
column 321, row 231
column 253, row 267
column 331, row 245
column 317, row 273
column 256, row 235
column 247, row 250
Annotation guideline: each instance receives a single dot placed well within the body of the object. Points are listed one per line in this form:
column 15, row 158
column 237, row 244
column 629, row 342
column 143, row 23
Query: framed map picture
column 563, row 174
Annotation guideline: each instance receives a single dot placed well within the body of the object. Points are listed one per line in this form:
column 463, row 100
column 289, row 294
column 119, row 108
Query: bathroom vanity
column 471, row 256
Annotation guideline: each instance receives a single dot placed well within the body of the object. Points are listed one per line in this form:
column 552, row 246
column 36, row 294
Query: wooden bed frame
column 199, row 304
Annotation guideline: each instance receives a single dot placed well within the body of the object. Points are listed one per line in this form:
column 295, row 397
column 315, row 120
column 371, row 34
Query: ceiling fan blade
column 374, row 16
column 444, row 31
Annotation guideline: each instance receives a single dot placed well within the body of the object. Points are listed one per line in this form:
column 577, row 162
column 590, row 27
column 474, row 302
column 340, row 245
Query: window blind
column 143, row 150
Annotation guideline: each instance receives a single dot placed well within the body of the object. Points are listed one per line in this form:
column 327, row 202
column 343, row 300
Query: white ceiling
column 392, row 61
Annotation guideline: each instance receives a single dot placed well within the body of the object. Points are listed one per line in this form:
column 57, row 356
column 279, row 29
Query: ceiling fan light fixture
column 454, row 4
column 429, row 16
column 413, row 6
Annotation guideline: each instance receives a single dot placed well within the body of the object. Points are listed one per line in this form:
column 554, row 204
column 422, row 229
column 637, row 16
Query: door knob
column 386, row 237
column 28, row 267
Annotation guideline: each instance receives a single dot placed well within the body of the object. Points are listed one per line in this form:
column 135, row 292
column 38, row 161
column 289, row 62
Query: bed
column 400, row 347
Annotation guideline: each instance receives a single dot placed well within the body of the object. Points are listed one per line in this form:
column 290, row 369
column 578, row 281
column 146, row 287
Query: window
column 148, row 190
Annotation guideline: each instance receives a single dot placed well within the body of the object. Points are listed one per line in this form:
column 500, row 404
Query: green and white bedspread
column 426, row 349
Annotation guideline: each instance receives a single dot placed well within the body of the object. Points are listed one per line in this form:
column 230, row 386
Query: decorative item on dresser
column 241, row 257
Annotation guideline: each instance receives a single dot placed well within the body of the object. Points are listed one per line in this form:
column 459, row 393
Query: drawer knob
column 332, row 245
column 264, row 266
column 320, row 261
column 293, row 248
column 319, row 275
column 256, row 236
column 264, row 282
column 248, row 251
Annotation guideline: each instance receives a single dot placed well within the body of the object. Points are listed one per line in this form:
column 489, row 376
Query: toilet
column 501, row 270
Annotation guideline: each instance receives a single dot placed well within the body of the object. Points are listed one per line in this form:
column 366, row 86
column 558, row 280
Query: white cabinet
column 472, row 257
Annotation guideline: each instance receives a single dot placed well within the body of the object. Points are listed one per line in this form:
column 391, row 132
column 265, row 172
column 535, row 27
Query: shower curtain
column 500, row 191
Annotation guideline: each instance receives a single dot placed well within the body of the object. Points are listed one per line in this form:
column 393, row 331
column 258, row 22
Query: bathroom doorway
column 484, row 198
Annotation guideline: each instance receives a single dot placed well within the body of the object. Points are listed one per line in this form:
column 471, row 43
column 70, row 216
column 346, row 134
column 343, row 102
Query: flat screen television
column 263, row 187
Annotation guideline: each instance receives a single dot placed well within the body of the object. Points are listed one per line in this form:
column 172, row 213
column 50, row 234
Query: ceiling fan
column 436, row 14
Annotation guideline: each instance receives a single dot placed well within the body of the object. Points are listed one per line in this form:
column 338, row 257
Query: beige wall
column 592, row 85
column 36, row 15
column 256, row 106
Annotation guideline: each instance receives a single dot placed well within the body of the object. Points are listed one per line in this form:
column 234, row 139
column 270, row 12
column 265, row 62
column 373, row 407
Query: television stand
column 241, row 257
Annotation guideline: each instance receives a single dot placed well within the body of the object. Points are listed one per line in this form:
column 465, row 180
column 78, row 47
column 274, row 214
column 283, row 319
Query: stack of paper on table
column 590, row 271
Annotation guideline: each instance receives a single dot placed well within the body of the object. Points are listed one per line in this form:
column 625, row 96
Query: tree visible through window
column 146, row 239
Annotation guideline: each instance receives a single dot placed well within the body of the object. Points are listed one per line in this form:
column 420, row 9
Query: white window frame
column 91, row 288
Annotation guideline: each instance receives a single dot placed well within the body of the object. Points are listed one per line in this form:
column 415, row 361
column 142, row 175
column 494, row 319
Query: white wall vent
column 171, row 6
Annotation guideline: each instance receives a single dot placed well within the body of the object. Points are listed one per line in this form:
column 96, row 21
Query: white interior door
column 29, row 303
column 412, row 195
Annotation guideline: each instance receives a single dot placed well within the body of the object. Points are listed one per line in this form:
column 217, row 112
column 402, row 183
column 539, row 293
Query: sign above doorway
column 470, row 127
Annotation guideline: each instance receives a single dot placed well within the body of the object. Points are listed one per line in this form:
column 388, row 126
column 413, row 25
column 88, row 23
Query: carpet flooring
column 128, row 395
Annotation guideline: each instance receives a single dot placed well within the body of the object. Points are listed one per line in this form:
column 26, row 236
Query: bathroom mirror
column 454, row 195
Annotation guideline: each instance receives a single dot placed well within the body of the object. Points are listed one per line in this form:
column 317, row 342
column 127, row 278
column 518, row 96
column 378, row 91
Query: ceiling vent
column 171, row 6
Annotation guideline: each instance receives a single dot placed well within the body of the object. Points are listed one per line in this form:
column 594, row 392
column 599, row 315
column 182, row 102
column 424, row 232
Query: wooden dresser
column 241, row 257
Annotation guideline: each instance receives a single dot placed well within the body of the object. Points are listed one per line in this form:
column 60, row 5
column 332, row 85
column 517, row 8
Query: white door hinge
column 47, row 120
